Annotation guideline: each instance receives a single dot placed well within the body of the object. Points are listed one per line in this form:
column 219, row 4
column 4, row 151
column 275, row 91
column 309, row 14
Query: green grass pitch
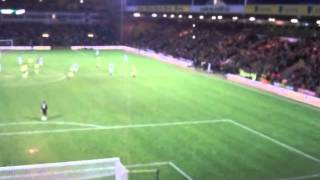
column 207, row 127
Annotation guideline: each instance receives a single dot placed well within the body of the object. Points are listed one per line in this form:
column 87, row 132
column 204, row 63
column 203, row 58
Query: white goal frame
column 10, row 42
column 88, row 169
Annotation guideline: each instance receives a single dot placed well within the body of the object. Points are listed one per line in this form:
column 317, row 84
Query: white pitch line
column 143, row 171
column 164, row 163
column 174, row 166
column 301, row 177
column 184, row 174
column 290, row 148
column 133, row 126
column 50, row 123
column 54, row 131
column 96, row 176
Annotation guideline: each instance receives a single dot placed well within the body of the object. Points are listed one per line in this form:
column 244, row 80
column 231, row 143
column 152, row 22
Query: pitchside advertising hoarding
column 284, row 10
column 276, row 9
column 172, row 9
column 233, row 9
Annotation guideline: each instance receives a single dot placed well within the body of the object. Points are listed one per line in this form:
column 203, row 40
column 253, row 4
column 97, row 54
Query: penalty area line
column 164, row 163
column 50, row 123
column 301, row 177
column 286, row 146
column 183, row 173
column 143, row 171
column 116, row 127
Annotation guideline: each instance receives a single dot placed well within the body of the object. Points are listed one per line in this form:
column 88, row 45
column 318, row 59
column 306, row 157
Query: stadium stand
column 67, row 22
column 56, row 5
column 231, row 47
column 59, row 34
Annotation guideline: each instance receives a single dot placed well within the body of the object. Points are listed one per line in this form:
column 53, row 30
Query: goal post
column 109, row 169
column 6, row 42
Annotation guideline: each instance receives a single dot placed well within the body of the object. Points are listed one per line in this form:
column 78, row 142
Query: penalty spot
column 33, row 151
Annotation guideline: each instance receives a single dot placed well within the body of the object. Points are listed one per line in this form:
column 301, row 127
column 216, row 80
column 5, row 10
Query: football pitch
column 187, row 124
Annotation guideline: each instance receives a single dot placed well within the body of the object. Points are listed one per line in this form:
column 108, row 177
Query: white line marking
column 184, row 174
column 50, row 123
column 290, row 148
column 165, row 163
column 301, row 177
column 143, row 171
column 96, row 176
column 134, row 126
column 47, row 131
column 148, row 164
column 98, row 127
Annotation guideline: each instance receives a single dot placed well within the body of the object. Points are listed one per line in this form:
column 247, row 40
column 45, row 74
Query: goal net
column 6, row 42
column 108, row 169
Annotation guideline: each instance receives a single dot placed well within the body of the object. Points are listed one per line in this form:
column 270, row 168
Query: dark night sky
column 154, row 2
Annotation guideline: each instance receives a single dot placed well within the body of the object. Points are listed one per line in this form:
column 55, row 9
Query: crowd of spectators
column 230, row 47
column 60, row 35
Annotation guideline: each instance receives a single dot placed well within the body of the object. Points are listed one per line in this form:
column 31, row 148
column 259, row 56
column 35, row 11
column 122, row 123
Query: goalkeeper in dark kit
column 44, row 110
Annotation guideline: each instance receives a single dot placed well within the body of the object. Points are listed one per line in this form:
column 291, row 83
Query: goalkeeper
column 44, row 110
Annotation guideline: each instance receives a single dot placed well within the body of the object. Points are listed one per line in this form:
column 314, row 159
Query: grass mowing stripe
column 290, row 148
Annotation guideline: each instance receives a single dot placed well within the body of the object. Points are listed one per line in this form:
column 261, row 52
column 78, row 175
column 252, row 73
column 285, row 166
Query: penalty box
column 81, row 127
